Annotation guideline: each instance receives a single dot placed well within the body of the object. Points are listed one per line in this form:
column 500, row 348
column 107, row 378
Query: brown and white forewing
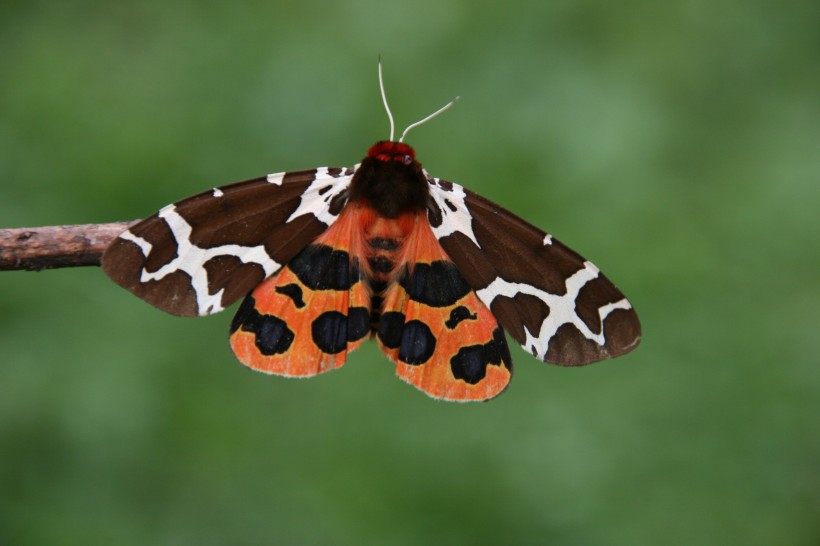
column 201, row 254
column 553, row 302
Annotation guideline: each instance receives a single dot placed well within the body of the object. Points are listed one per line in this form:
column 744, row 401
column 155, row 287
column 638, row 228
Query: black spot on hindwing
column 417, row 343
column 330, row 332
column 437, row 284
column 321, row 267
column 459, row 314
column 358, row 323
column 272, row 335
column 390, row 327
column 245, row 310
column 294, row 292
column 470, row 363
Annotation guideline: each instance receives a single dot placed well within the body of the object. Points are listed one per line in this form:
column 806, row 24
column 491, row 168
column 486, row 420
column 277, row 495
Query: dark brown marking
column 164, row 247
column 230, row 274
column 568, row 347
column 123, row 263
column 289, row 239
column 517, row 259
column 433, row 213
column 247, row 213
column 622, row 332
column 337, row 203
column 593, row 295
column 521, row 311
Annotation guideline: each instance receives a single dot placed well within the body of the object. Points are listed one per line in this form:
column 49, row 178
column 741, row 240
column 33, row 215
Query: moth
column 328, row 257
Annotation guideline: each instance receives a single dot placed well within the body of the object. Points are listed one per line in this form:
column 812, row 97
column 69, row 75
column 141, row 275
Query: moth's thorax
column 390, row 180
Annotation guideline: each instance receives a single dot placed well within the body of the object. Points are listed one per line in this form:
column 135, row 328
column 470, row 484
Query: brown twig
column 49, row 247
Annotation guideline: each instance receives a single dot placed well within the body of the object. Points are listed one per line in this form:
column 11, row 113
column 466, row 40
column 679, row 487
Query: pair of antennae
column 412, row 125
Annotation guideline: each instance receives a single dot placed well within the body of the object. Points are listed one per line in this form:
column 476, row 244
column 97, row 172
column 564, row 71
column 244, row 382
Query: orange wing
column 443, row 340
column 305, row 319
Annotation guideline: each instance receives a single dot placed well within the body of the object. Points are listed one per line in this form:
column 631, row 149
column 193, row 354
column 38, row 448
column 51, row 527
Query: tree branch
column 49, row 247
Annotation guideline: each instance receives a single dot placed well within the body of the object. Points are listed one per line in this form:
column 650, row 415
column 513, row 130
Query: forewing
column 201, row 254
column 553, row 302
column 442, row 338
column 306, row 318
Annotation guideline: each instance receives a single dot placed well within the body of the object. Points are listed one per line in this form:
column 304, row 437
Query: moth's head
column 388, row 151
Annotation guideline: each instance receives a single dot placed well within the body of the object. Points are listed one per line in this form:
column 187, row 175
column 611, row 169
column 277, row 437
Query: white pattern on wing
column 276, row 178
column 144, row 245
column 459, row 220
column 317, row 197
column 191, row 260
column 561, row 308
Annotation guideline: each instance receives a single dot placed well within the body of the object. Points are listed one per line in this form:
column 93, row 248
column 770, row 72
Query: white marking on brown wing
column 562, row 308
column 459, row 220
column 191, row 260
column 218, row 192
column 547, row 239
column 316, row 202
column 276, row 178
column 144, row 245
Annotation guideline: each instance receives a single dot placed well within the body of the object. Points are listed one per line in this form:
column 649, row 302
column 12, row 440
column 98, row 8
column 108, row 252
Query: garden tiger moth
column 328, row 257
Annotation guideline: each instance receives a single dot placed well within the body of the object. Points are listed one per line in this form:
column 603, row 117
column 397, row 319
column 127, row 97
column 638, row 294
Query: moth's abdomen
column 383, row 253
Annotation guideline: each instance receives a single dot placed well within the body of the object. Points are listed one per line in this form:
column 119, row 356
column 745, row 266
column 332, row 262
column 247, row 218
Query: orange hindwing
column 304, row 320
column 443, row 340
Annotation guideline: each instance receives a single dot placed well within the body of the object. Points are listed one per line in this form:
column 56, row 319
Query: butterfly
column 328, row 257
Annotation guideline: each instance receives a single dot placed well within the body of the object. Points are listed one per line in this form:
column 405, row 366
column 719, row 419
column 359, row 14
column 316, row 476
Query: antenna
column 390, row 114
column 384, row 100
column 428, row 118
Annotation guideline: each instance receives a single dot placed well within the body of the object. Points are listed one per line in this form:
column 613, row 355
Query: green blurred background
column 675, row 144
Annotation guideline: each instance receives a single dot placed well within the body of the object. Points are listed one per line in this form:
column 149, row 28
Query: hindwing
column 442, row 338
column 306, row 318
